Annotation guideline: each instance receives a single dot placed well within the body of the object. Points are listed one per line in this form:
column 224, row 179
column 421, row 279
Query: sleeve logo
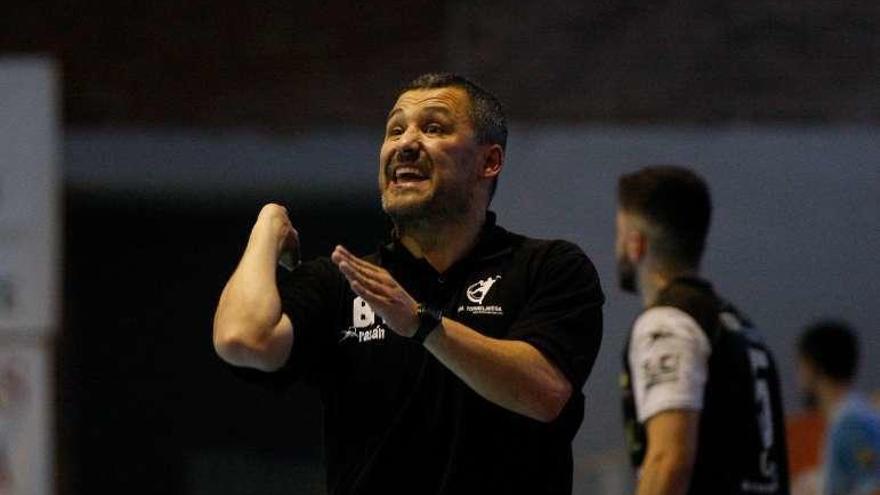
column 659, row 370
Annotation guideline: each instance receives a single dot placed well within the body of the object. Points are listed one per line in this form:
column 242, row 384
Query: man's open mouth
column 408, row 175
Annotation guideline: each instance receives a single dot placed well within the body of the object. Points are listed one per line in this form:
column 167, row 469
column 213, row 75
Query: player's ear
column 635, row 245
column 493, row 161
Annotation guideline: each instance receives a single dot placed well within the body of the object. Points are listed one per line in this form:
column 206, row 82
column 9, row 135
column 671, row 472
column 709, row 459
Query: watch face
column 426, row 311
column 436, row 313
column 429, row 319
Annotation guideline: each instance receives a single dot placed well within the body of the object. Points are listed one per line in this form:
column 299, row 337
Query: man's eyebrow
column 394, row 111
column 439, row 109
column 433, row 108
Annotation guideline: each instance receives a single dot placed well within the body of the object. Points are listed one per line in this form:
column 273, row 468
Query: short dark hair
column 677, row 202
column 832, row 346
column 486, row 112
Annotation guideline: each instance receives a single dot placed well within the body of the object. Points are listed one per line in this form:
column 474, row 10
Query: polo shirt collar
column 492, row 241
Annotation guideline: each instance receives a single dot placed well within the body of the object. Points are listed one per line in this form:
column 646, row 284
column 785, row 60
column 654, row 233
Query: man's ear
column 493, row 162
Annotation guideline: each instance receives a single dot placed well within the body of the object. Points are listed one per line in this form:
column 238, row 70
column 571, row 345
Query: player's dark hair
column 486, row 112
column 832, row 346
column 677, row 203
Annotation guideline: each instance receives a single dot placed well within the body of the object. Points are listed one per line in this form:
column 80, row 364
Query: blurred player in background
column 701, row 395
column 828, row 356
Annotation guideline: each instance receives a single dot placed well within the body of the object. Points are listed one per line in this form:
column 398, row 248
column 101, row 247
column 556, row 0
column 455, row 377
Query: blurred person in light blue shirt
column 828, row 355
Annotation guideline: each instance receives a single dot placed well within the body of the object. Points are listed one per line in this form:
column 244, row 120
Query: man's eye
column 433, row 129
column 395, row 131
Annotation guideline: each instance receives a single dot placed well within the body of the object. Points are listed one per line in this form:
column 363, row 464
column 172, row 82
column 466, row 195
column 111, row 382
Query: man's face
column 429, row 164
column 627, row 275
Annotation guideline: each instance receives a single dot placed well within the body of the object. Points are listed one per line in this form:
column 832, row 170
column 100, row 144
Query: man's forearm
column 664, row 475
column 246, row 324
column 510, row 373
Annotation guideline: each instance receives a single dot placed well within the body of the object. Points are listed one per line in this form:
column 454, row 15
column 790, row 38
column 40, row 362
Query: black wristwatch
column 429, row 320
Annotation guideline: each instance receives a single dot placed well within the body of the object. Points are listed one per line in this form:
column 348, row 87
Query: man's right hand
column 274, row 222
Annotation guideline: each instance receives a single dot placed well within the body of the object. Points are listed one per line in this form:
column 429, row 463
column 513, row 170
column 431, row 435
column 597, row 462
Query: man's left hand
column 379, row 289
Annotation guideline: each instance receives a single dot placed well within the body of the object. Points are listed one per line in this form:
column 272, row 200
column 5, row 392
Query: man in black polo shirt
column 452, row 360
column 702, row 404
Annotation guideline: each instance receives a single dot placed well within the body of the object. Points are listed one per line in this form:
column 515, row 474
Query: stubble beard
column 627, row 276
column 421, row 217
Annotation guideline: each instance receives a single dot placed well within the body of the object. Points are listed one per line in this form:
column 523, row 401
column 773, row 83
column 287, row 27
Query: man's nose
column 408, row 153
column 408, row 146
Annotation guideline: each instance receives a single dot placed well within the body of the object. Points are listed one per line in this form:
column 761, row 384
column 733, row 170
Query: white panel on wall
column 29, row 271
column 28, row 196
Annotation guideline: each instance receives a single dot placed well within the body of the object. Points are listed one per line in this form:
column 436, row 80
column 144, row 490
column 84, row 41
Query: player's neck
column 831, row 395
column 443, row 244
column 653, row 281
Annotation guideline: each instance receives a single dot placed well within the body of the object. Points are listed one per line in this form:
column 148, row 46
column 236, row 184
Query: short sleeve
column 310, row 297
column 669, row 360
column 563, row 316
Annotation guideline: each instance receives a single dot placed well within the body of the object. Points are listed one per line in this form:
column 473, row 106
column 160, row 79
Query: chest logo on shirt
column 477, row 293
column 365, row 325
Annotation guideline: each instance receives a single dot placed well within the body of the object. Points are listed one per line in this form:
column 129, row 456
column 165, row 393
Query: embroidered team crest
column 476, row 294
column 478, row 291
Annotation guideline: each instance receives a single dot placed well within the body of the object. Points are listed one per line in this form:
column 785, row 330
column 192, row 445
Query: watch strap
column 429, row 319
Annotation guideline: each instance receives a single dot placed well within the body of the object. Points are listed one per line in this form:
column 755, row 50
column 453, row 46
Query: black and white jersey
column 693, row 351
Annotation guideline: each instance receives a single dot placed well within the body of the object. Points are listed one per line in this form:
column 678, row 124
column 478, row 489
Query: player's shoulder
column 694, row 297
column 858, row 415
column 666, row 321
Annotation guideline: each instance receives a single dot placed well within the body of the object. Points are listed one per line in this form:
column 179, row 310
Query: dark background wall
column 290, row 65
